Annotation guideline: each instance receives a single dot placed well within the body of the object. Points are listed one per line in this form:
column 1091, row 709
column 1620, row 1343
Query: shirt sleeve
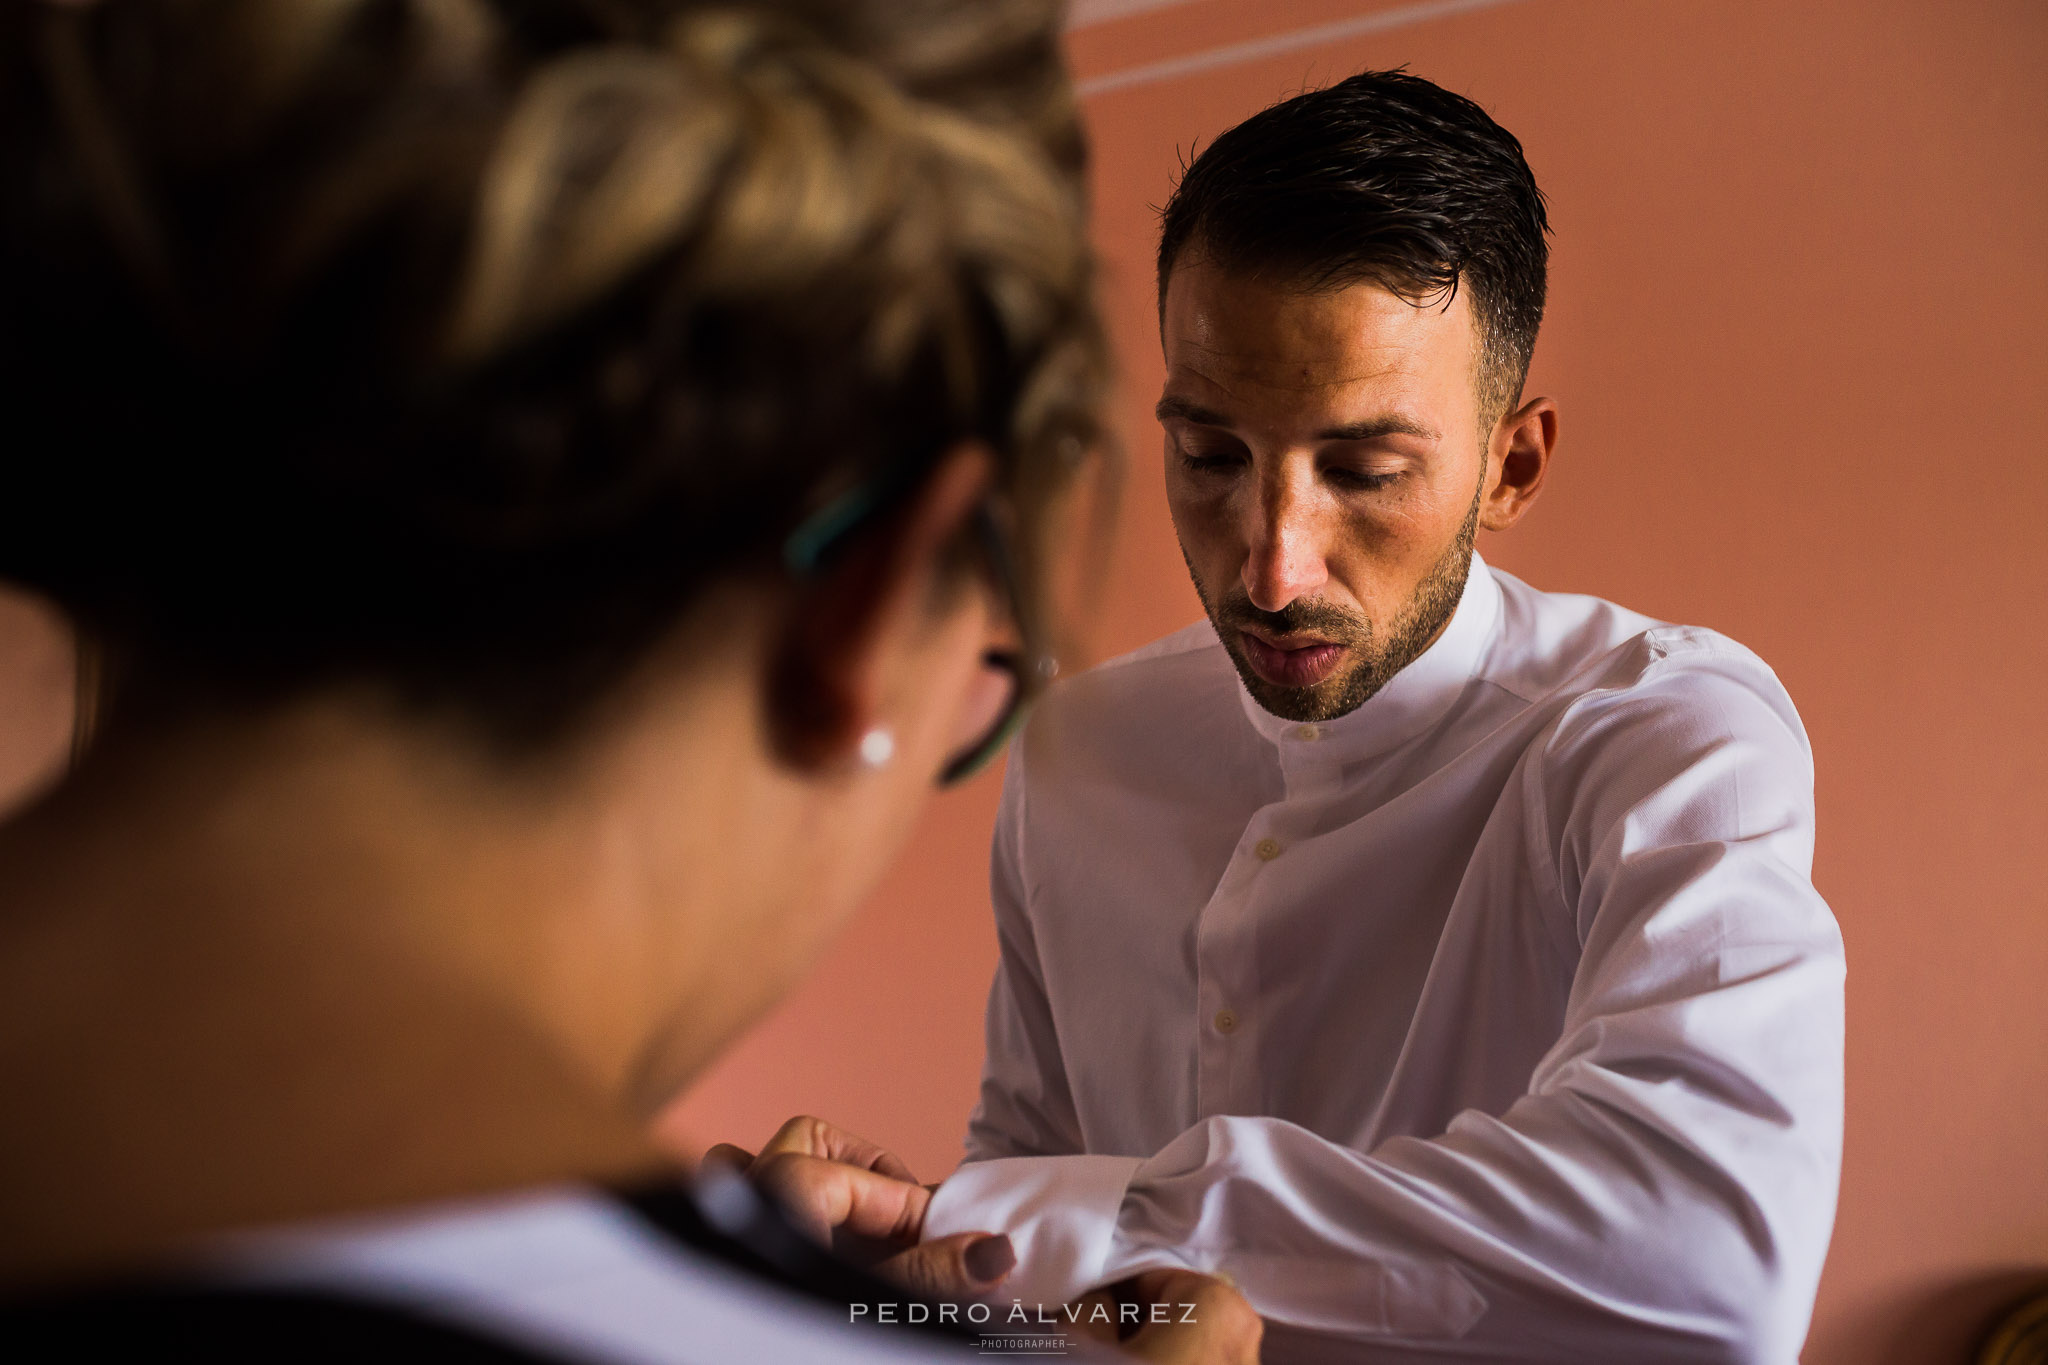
column 1025, row 1107
column 1663, row 1190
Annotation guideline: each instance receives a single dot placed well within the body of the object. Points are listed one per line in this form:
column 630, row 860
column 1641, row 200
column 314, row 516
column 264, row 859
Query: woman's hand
column 862, row 1201
column 1181, row 1317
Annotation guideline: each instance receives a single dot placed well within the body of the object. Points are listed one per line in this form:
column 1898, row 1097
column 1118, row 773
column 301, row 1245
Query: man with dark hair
column 1435, row 956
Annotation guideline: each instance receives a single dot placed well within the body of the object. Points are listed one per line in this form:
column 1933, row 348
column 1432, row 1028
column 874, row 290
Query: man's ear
column 1518, row 459
column 848, row 621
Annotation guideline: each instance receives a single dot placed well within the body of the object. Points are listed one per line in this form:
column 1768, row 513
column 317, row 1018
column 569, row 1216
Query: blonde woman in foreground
column 553, row 486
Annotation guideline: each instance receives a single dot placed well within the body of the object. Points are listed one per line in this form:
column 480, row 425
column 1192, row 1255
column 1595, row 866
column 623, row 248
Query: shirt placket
column 1231, row 1013
column 1226, row 964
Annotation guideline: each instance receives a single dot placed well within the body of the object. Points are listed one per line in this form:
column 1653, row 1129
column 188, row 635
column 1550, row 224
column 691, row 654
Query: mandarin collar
column 1413, row 699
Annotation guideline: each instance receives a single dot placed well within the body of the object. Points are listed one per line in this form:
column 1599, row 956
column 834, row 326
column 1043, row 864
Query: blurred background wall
column 1799, row 335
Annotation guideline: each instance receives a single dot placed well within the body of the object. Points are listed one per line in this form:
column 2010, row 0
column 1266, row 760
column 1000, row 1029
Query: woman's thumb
column 966, row 1265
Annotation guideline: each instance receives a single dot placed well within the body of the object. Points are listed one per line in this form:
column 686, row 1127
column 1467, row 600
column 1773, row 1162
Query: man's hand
column 1173, row 1317
column 863, row 1202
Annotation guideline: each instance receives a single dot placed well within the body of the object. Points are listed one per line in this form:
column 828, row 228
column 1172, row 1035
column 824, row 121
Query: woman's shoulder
column 655, row 1276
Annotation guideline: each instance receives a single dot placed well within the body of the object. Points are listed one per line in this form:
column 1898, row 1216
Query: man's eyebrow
column 1372, row 428
column 1189, row 412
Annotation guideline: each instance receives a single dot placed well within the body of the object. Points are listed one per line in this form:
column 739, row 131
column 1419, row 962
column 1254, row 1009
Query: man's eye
column 1211, row 461
column 1358, row 478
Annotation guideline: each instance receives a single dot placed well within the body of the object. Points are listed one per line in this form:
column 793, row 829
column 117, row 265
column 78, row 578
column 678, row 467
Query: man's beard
column 1374, row 661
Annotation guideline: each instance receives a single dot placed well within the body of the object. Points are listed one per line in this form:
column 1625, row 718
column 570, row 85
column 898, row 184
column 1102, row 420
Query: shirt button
column 1225, row 1021
column 1268, row 850
column 1307, row 732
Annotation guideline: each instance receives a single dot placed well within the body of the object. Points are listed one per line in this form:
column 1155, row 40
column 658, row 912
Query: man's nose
column 1284, row 550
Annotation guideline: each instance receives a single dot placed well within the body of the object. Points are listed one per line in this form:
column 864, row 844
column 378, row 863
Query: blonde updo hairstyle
column 457, row 346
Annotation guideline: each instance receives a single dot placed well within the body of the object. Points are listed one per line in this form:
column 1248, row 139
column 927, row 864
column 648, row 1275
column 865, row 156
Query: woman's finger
column 825, row 1196
column 739, row 1158
column 964, row 1266
column 808, row 1136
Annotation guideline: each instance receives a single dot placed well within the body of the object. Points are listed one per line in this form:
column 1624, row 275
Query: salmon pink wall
column 1799, row 336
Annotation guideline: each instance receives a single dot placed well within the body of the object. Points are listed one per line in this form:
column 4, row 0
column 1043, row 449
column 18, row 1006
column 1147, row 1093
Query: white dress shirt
column 1496, row 1020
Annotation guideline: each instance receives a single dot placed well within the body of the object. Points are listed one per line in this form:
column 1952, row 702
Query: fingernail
column 989, row 1259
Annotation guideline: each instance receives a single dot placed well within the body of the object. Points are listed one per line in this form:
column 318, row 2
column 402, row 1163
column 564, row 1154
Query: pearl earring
column 877, row 747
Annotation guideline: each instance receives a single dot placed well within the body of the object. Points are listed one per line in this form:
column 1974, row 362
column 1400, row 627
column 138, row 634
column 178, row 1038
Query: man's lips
column 1304, row 663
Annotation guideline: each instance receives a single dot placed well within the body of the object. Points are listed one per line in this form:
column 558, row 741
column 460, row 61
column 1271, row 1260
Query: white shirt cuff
column 1059, row 1212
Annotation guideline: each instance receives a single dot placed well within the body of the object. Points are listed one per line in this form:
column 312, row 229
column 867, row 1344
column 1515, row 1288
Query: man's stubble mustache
column 1300, row 617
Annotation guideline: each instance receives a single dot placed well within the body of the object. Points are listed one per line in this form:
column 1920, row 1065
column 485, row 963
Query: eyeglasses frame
column 809, row 547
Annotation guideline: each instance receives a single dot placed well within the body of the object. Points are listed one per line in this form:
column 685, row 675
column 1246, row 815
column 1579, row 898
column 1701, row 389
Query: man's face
column 1324, row 467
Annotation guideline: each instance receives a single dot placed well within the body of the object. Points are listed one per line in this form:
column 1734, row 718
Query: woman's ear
column 1520, row 458
column 851, row 622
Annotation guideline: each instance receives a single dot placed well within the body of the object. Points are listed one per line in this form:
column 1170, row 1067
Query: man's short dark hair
column 1387, row 179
